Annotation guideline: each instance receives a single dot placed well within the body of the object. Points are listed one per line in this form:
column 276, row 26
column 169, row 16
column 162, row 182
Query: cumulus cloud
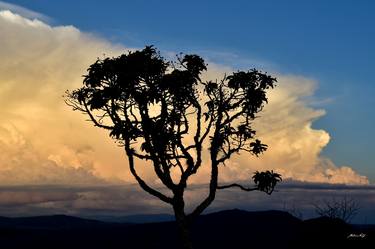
column 43, row 141
column 294, row 145
column 22, row 163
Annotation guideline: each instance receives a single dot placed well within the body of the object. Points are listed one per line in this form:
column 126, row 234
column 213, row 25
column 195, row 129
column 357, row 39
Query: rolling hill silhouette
column 224, row 229
column 53, row 222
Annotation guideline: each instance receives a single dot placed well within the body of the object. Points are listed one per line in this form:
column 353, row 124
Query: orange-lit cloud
column 294, row 145
column 42, row 141
column 39, row 63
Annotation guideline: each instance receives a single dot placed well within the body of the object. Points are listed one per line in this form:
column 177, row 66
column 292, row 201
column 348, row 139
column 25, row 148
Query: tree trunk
column 183, row 227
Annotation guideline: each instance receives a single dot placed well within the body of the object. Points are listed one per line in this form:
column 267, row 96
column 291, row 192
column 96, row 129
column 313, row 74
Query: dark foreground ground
column 226, row 229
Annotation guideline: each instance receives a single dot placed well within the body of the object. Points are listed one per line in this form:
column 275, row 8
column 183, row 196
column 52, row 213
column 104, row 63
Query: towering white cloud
column 38, row 64
column 43, row 141
column 294, row 145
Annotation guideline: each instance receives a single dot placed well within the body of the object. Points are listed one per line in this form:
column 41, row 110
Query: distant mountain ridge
column 224, row 229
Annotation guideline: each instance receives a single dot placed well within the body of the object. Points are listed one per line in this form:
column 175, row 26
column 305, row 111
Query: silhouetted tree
column 151, row 106
column 344, row 208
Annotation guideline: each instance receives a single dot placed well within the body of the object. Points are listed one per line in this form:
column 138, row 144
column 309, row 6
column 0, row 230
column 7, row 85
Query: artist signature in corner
column 357, row 235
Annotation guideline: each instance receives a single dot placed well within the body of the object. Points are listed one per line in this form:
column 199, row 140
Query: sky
column 318, row 123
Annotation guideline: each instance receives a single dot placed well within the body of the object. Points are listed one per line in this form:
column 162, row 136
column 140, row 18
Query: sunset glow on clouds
column 42, row 141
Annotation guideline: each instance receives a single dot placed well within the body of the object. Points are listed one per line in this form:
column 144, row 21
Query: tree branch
column 92, row 118
column 214, row 169
column 238, row 186
column 142, row 183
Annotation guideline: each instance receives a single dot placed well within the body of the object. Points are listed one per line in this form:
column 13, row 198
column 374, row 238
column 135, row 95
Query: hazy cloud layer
column 43, row 141
column 295, row 197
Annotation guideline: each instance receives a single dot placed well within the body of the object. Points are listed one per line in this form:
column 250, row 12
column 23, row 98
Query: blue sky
column 331, row 42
